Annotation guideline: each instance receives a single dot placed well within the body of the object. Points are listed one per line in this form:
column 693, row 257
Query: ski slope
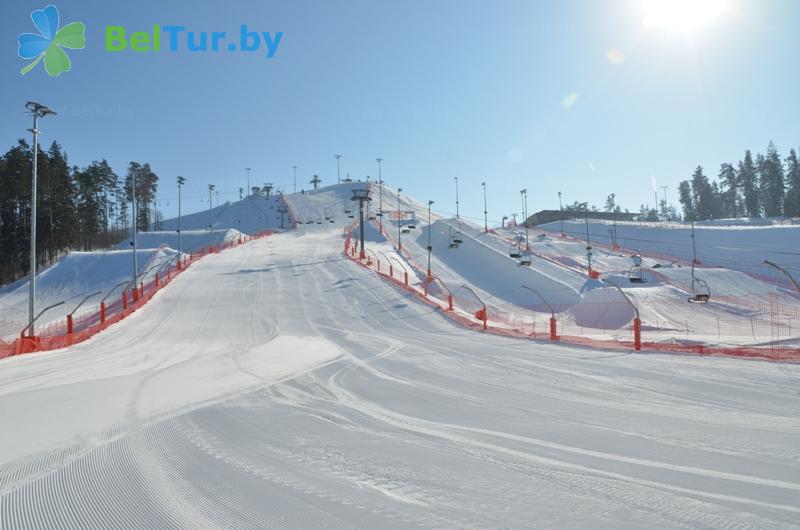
column 279, row 385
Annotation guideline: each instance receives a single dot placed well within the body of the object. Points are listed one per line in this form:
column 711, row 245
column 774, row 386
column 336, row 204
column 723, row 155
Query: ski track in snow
column 278, row 385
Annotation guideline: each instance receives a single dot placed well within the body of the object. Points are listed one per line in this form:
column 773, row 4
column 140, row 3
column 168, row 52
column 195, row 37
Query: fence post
column 637, row 334
column 141, row 289
column 124, row 300
column 102, row 312
column 156, row 279
column 425, row 288
column 553, row 329
column 405, row 278
column 391, row 271
column 450, row 302
column 134, row 294
column 69, row 324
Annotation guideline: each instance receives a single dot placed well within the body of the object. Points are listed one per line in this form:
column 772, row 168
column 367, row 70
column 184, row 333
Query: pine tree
column 729, row 189
column 685, row 198
column 791, row 207
column 748, row 180
column 772, row 181
column 702, row 196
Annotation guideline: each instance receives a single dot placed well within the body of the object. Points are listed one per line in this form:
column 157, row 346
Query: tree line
column 766, row 185
column 77, row 208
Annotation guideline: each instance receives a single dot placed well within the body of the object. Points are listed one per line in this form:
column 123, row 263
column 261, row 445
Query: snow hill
column 277, row 384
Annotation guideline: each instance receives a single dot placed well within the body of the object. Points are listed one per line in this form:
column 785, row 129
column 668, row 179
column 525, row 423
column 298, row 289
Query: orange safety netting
column 74, row 330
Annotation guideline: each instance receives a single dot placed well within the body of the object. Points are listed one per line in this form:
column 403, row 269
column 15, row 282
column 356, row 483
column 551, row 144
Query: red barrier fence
column 76, row 329
column 766, row 327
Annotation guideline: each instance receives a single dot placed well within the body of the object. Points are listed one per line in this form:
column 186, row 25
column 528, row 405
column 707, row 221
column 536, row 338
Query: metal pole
column 485, row 218
column 135, row 228
column 457, row 215
column 399, row 243
column 524, row 196
column 210, row 218
column 561, row 210
column 338, row 174
column 32, row 283
column 248, row 179
column 362, row 253
column 295, row 179
column 588, row 245
column 429, row 239
column 380, row 195
column 784, row 271
column 241, row 203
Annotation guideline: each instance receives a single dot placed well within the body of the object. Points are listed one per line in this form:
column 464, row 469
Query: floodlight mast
column 338, row 174
column 429, row 240
column 248, row 178
column 380, row 195
column 181, row 181
column 210, row 218
column 457, row 214
column 524, row 194
column 399, row 242
column 294, row 168
column 38, row 111
column 561, row 211
column 361, row 195
column 485, row 218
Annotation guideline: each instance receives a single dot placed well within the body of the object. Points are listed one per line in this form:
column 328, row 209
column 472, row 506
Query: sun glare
column 682, row 15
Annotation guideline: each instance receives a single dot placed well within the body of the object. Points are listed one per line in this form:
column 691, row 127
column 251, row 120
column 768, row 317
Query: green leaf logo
column 48, row 44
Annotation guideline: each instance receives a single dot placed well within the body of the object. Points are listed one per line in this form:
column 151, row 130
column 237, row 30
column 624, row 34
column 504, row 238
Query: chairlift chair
column 319, row 221
column 524, row 260
column 636, row 272
column 513, row 252
column 330, row 220
column 453, row 240
column 700, row 292
column 457, row 238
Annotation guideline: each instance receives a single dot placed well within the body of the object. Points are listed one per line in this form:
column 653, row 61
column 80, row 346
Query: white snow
column 277, row 384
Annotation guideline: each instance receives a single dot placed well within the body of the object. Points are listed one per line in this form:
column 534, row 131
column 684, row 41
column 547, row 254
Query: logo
column 50, row 42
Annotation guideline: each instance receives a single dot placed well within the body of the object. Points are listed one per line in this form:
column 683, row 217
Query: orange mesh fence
column 757, row 326
column 75, row 329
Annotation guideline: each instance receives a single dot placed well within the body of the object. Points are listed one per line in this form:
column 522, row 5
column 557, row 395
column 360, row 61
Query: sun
column 685, row 16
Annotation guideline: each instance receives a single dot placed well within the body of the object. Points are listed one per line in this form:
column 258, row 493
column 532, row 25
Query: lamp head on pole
column 181, row 181
column 38, row 109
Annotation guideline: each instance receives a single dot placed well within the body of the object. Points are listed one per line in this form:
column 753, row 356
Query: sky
column 585, row 97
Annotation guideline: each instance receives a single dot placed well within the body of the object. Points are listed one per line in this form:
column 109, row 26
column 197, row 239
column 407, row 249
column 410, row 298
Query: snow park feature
column 289, row 381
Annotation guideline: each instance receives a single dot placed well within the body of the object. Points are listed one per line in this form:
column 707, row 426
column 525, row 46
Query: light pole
column 248, row 178
column 664, row 188
column 361, row 195
column 399, row 243
column 380, row 195
column 240, row 212
column 210, row 218
column 38, row 111
column 561, row 210
column 457, row 216
column 524, row 196
column 338, row 177
column 585, row 206
column 429, row 240
column 485, row 218
column 294, row 168
column 181, row 181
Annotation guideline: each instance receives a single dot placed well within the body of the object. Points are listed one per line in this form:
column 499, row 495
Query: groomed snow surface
column 279, row 385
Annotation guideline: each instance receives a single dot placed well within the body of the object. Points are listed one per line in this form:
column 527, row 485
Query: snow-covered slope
column 279, row 385
column 70, row 279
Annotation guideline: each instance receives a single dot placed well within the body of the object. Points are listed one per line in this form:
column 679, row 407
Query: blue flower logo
column 48, row 44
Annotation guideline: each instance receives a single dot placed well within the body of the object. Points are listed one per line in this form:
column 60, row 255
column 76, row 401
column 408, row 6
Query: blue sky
column 575, row 96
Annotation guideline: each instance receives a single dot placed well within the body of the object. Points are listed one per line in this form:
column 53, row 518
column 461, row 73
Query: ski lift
column 454, row 240
column 412, row 225
column 542, row 237
column 636, row 272
column 513, row 252
column 330, row 220
column 700, row 290
column 524, row 260
column 457, row 238
column 319, row 221
column 404, row 229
